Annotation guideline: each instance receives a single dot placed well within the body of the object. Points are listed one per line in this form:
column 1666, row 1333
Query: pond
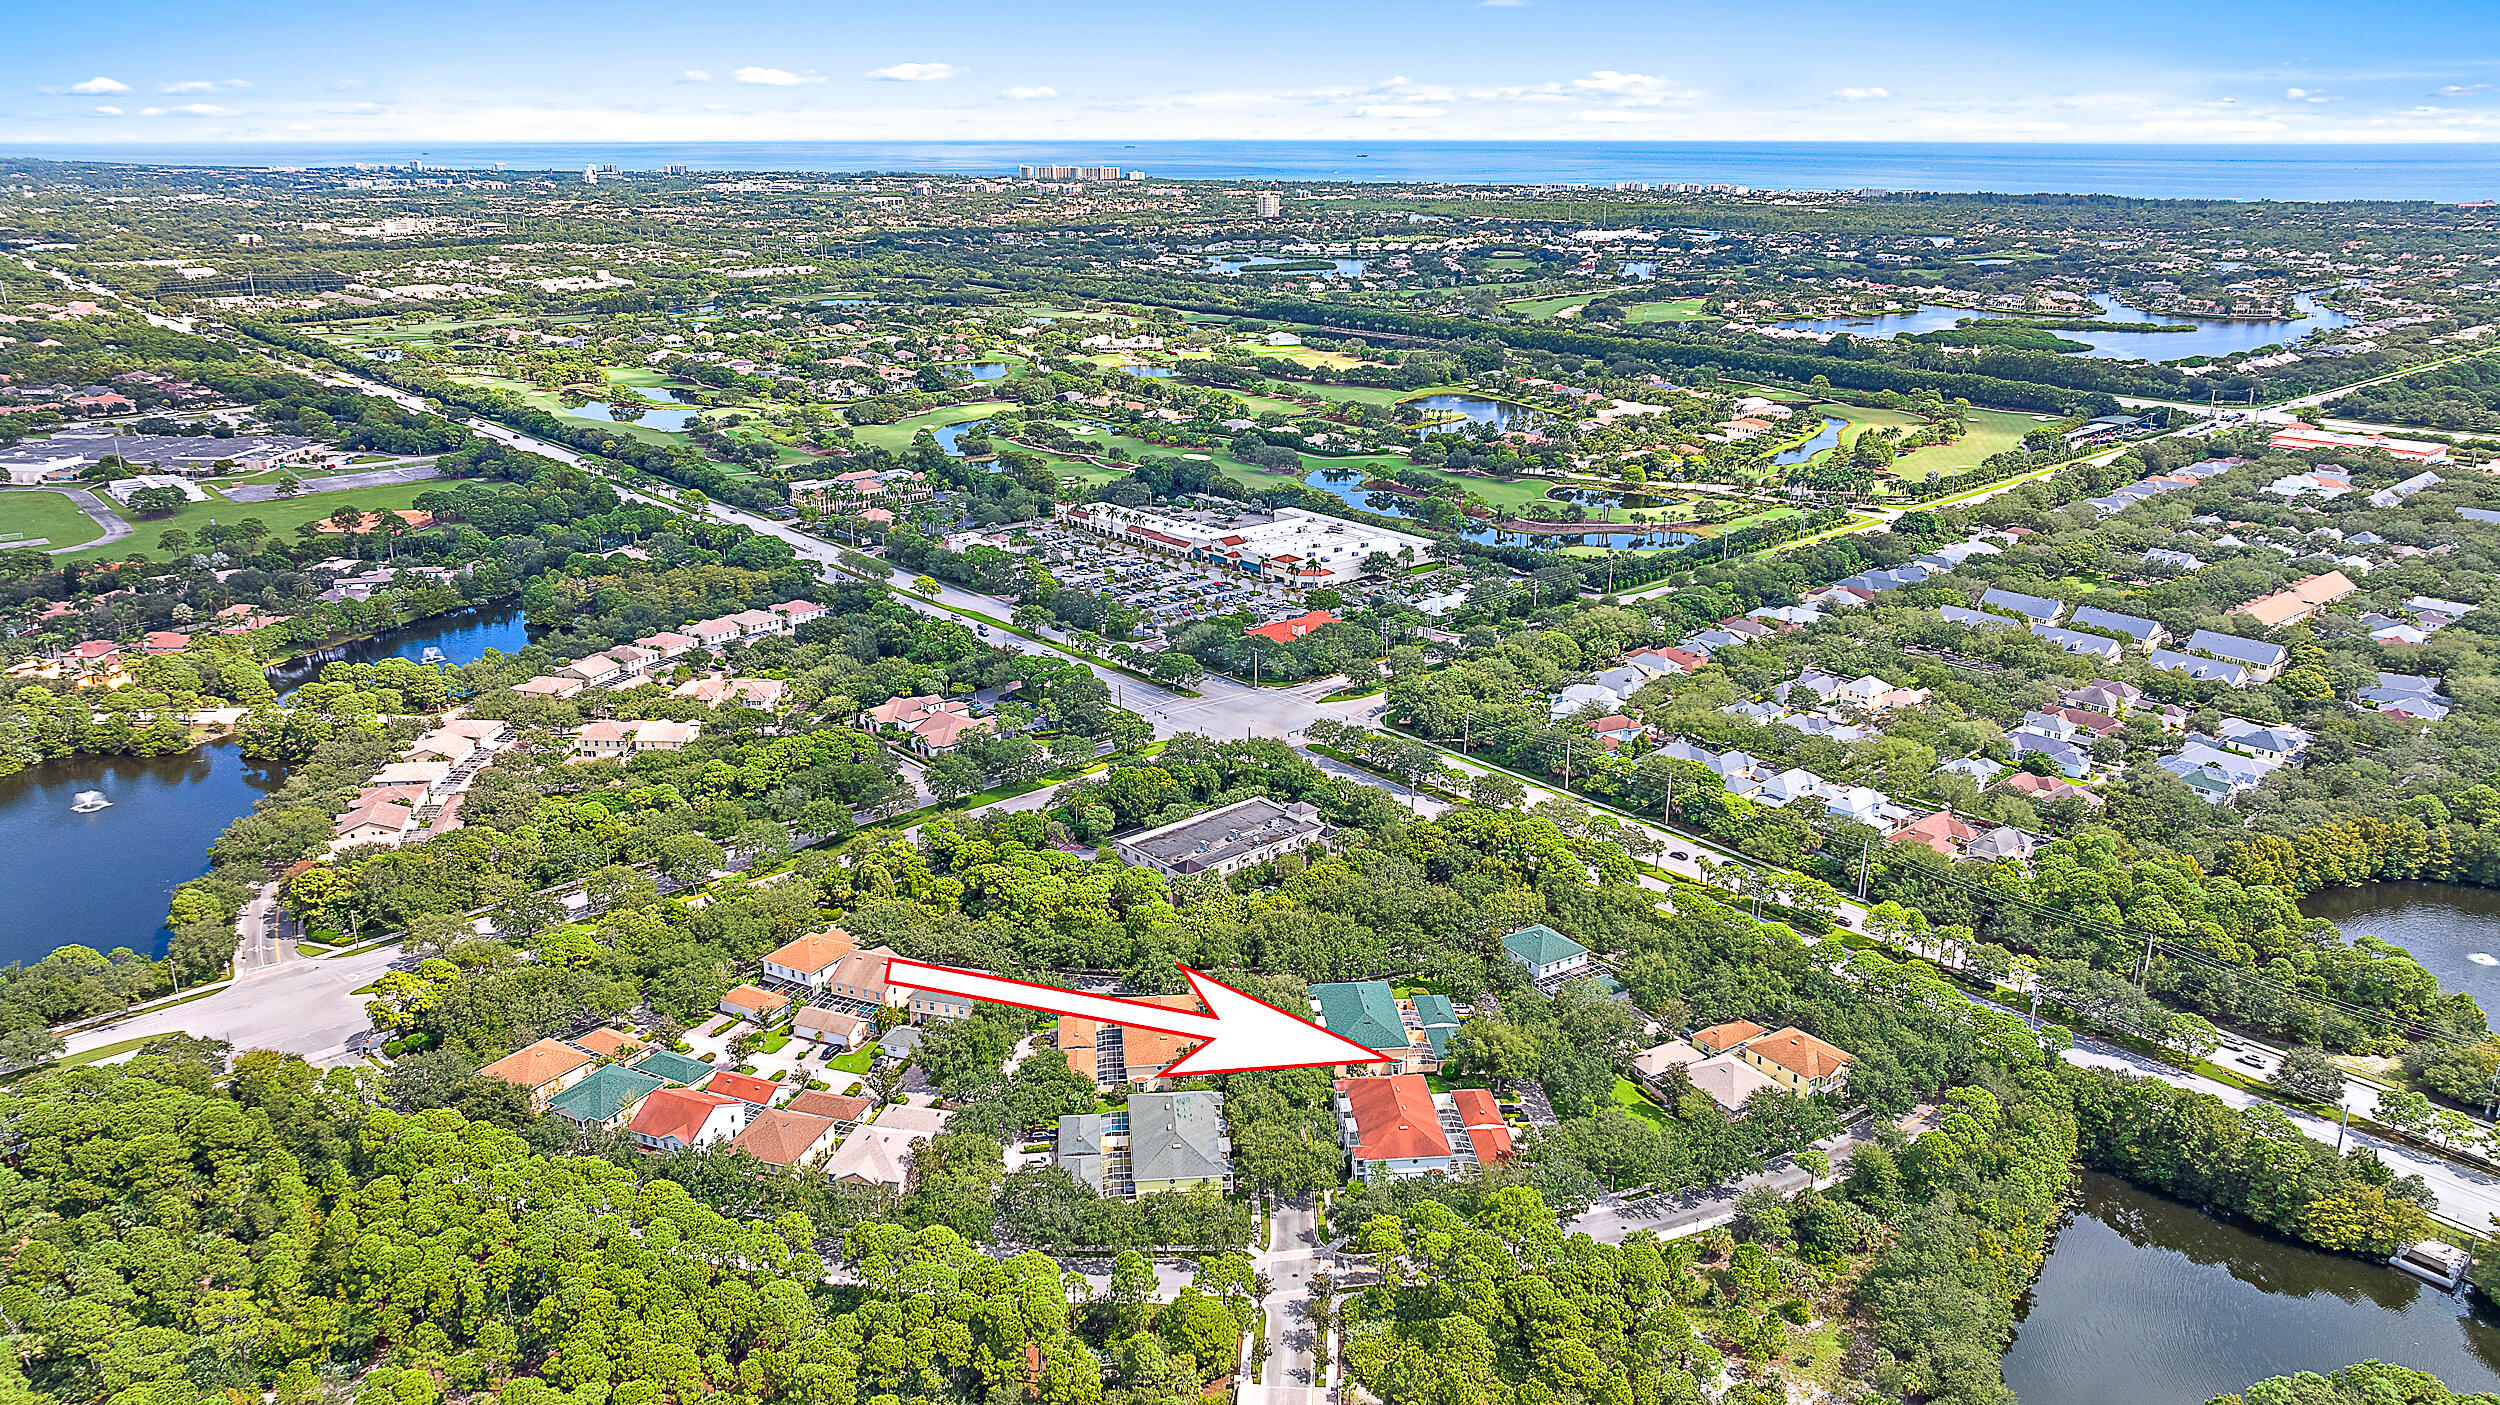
column 102, row 879
column 464, row 636
column 1235, row 263
column 1349, row 490
column 1476, row 409
column 949, row 437
column 980, row 370
column 2453, row 931
column 1153, row 372
column 2211, row 337
column 2149, row 1302
column 1825, row 438
column 1637, row 270
column 665, row 417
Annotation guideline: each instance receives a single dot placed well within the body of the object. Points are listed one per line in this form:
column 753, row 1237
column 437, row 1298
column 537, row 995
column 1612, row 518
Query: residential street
column 1291, row 1374
column 2466, row 1198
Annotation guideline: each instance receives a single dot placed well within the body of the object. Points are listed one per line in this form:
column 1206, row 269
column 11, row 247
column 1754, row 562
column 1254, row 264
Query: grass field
column 1672, row 310
column 27, row 517
column 897, row 436
column 1628, row 1096
column 282, row 517
column 1991, row 432
column 1545, row 309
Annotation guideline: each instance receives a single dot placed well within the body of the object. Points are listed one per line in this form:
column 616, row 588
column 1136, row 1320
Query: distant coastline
column 2445, row 172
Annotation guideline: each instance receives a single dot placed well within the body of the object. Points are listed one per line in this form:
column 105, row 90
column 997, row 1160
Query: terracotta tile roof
column 676, row 1112
column 745, row 1087
column 754, row 997
column 1482, row 1116
column 606, row 1043
column 782, row 1137
column 538, row 1065
column 816, row 1102
column 815, row 951
column 1800, row 1053
column 1394, row 1119
column 1728, row 1035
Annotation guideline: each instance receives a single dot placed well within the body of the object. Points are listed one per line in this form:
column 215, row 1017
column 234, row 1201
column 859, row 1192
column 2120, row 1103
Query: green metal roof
column 1541, row 945
column 1363, row 1011
column 604, row 1094
column 673, row 1067
column 1435, row 1011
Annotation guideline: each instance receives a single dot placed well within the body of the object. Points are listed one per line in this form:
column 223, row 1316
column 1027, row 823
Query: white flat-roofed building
column 1293, row 545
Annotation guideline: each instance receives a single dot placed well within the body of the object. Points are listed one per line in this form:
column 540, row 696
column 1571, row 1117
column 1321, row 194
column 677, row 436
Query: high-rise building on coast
column 1267, row 204
column 1068, row 173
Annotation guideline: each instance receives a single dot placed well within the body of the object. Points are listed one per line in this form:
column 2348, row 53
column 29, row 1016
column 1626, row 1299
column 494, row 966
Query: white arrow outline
column 1241, row 1034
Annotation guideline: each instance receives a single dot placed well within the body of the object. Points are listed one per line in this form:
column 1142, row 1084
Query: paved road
column 2465, row 1198
column 1292, row 1374
column 301, row 1007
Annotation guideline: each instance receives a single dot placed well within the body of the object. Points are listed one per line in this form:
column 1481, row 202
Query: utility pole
column 2341, row 1128
column 2145, row 971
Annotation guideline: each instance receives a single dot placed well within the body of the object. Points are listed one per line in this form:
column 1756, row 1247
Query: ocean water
column 2314, row 172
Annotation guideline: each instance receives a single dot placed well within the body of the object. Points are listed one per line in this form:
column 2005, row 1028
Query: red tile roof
column 1486, row 1130
column 1394, row 1119
column 745, row 1087
column 676, row 1112
column 1287, row 631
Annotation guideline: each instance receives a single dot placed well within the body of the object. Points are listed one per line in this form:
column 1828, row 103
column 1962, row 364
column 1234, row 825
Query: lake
column 464, row 636
column 1477, row 409
column 1235, row 263
column 979, row 370
column 2212, row 337
column 2149, row 1302
column 102, row 879
column 2445, row 926
column 663, row 418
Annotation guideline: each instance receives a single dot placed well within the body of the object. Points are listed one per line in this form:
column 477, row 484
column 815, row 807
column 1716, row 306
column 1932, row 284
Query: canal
column 102, row 879
column 2146, row 1301
column 2454, row 931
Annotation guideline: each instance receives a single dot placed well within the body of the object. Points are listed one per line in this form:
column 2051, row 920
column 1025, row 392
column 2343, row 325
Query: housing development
column 1815, row 738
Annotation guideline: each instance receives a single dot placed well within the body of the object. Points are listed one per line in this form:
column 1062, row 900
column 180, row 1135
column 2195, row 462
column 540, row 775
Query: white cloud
column 188, row 109
column 696, row 75
column 205, row 85
column 774, row 77
column 1398, row 109
column 2311, row 95
column 2458, row 90
column 1028, row 94
column 916, row 72
column 99, row 84
column 341, row 85
column 1499, row 4
column 1859, row 94
column 108, row 112
column 1632, row 89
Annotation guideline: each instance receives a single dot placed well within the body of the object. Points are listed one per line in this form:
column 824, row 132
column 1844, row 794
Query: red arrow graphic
column 1241, row 1033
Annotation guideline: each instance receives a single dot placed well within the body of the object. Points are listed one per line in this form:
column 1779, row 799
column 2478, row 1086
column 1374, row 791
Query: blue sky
column 627, row 70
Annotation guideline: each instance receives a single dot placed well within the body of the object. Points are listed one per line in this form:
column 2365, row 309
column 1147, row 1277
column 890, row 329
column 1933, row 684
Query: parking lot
column 1168, row 594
